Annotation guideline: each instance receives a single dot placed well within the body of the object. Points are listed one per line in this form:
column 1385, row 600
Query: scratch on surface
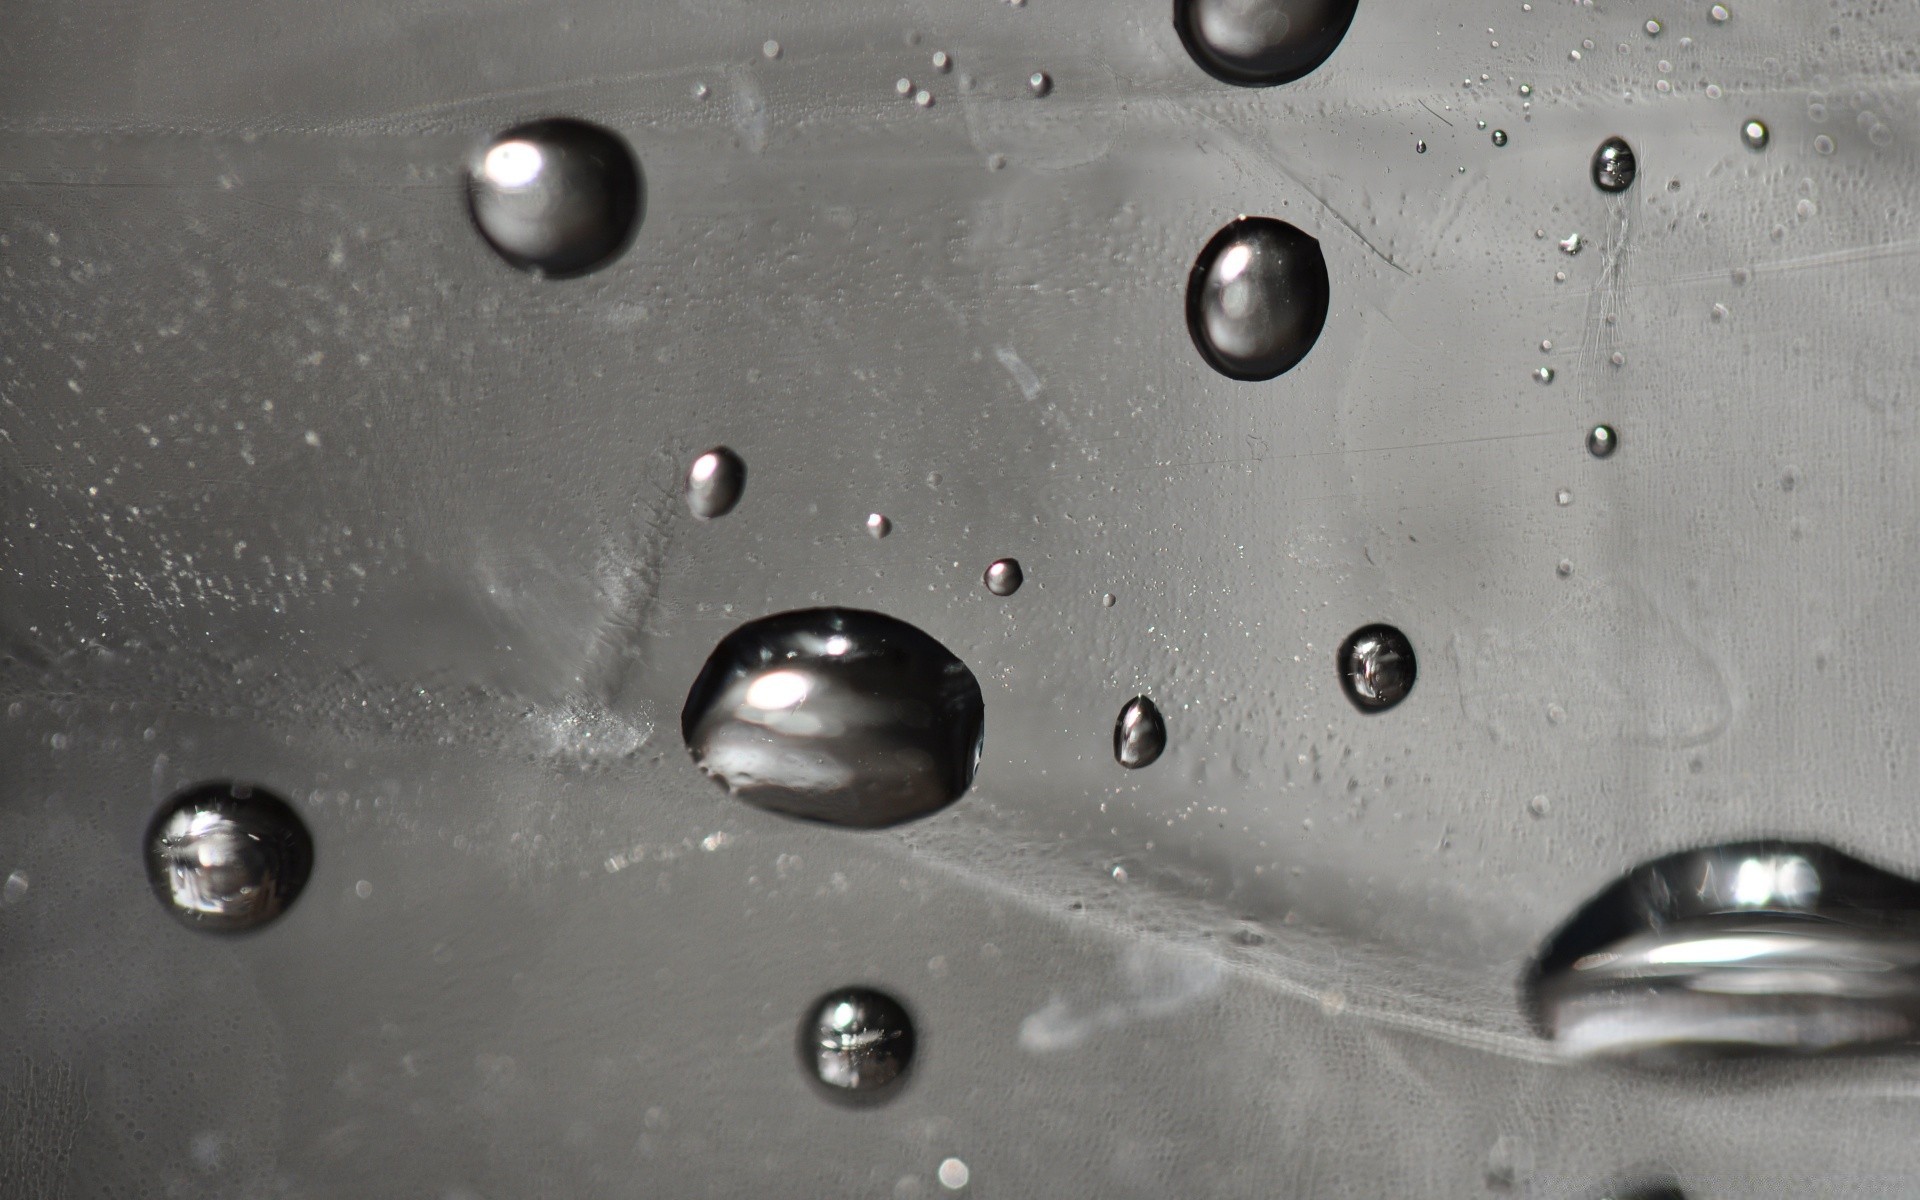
column 1023, row 374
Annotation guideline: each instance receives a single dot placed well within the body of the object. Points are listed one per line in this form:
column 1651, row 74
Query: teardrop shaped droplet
column 1614, row 166
column 1259, row 43
column 558, row 197
column 857, row 1044
column 1602, row 441
column 1140, row 735
column 1377, row 667
column 714, row 483
column 1751, row 948
column 227, row 857
column 836, row 715
column 1004, row 577
column 1257, row 298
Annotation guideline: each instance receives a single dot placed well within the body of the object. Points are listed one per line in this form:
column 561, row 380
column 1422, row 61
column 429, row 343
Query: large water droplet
column 1257, row 298
column 1004, row 577
column 557, row 197
column 1377, row 667
column 1750, row 948
column 1140, row 735
column 1614, row 166
column 835, row 715
column 227, row 856
column 714, row 483
column 1259, row 43
column 857, row 1044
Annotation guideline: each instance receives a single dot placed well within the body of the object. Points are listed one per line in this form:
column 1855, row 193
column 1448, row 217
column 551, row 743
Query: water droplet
column 1140, row 735
column 1377, row 667
column 1526, row 89
column 953, row 1174
column 1260, row 43
column 1546, row 347
column 1602, row 441
column 1420, row 147
column 1108, row 600
column 15, row 889
column 1481, row 124
column 1617, row 359
column 1572, row 244
column 714, row 483
column 1563, row 497
column 1040, row 83
column 1499, row 137
column 1653, row 29
column 1543, row 374
column 363, row 889
column 857, row 1044
column 1754, row 133
column 1565, row 569
column 942, row 61
column 699, row 91
column 903, row 85
column 923, row 98
column 878, row 525
column 1823, row 144
column 558, row 197
column 1717, row 313
column 227, row 857
column 1719, row 13
column 1613, row 165
column 770, row 48
column 835, row 715
column 1004, row 577
column 1257, row 298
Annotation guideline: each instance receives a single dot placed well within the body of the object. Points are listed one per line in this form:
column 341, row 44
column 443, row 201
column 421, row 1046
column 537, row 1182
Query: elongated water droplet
column 1257, row 298
column 1004, row 577
column 1754, row 133
column 857, row 1044
column 714, row 483
column 1377, row 667
column 1602, row 441
column 1259, row 43
column 835, row 715
column 227, row 857
column 1614, row 166
column 557, row 197
column 1140, row 735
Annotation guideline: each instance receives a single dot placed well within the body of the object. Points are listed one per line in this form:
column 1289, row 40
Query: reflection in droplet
column 1543, row 374
column 1499, row 137
column 835, row 715
column 1140, row 735
column 1750, row 948
column 1754, row 133
column 1602, row 441
column 1614, row 166
column 557, row 197
column 1004, row 576
column 1259, row 43
column 878, row 525
column 857, row 1044
column 1040, row 83
column 227, row 857
column 1377, row 667
column 1257, row 298
column 714, row 483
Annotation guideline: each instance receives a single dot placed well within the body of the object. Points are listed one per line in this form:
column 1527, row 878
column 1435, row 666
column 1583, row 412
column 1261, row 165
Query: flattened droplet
column 227, row 857
column 558, row 197
column 857, row 1044
column 1260, row 43
column 1140, row 735
column 714, row 483
column 1004, row 577
column 1614, row 166
column 836, row 715
column 1257, row 298
column 1377, row 667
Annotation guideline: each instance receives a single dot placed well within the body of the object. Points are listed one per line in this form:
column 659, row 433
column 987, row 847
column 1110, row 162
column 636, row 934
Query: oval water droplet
column 857, row 1044
column 1602, row 441
column 1755, row 134
column 1257, row 298
column 558, row 197
column 1260, row 43
column 1040, row 83
column 1377, row 667
column 1004, row 576
column 715, row 482
column 227, row 857
column 1140, row 735
column 878, row 525
column 836, row 715
column 1614, row 166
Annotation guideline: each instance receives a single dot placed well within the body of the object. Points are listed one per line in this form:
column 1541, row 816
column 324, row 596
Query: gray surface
column 444, row 594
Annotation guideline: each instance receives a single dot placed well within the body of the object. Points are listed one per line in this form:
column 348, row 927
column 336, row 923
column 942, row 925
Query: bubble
column 1613, row 165
column 1543, row 374
column 835, row 715
column 1039, row 83
column 1377, row 667
column 878, row 526
column 1260, row 43
column 714, row 483
column 1602, row 441
column 1754, row 133
column 1140, row 735
column 1004, row 577
column 556, row 198
column 857, row 1045
column 1499, row 137
column 227, row 857
column 1257, row 298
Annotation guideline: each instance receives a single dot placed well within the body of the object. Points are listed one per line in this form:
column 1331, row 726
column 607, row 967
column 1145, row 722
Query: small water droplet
column 1572, row 244
column 923, row 98
column 15, row 889
column 1719, row 13
column 770, row 48
column 1499, row 137
column 878, row 526
column 1653, row 29
column 942, row 61
column 1257, row 298
column 1617, row 359
column 1717, row 313
column 1260, row 43
column 700, row 91
column 903, row 85
column 1823, row 144
column 1613, row 165
column 227, row 857
column 1539, row 806
column 557, row 198
column 1546, row 346
column 1377, row 667
column 715, row 482
column 1565, row 569
column 1526, row 89
column 1602, row 441
column 1543, row 374
column 1563, row 497
column 1108, row 600
column 835, row 715
column 1480, row 124
column 953, row 1174
column 857, row 1045
column 1140, row 735
column 363, row 889
column 1004, row 577
column 1754, row 133
column 1039, row 83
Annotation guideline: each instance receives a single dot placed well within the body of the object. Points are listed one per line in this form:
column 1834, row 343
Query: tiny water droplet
column 1377, row 667
column 1480, row 124
column 1755, row 134
column 1420, row 147
column 1717, row 313
column 942, row 61
column 770, row 48
column 1004, row 577
column 1546, row 347
column 903, row 85
column 1719, row 13
column 1107, row 600
column 1499, row 137
column 1565, row 569
column 227, row 857
column 363, row 889
column 1602, row 441
column 835, row 715
column 857, row 1045
column 1563, row 497
column 1140, row 735
column 923, row 98
column 16, row 888
column 1539, row 806
column 1526, row 89
column 1260, row 43
column 557, row 198
column 1572, row 244
column 878, row 525
column 1559, row 276
column 715, row 482
column 699, row 91
column 1653, row 29
column 1257, row 298
column 1543, row 374
column 1613, row 165
column 1040, row 83
column 1617, row 359
column 1823, row 144
column 953, row 1174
